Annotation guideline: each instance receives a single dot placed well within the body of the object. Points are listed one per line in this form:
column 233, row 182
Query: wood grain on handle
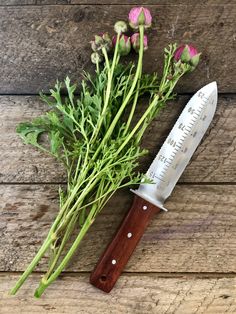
column 118, row 252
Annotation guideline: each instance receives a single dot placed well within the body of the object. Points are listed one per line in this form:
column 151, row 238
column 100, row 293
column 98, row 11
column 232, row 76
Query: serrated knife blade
column 165, row 171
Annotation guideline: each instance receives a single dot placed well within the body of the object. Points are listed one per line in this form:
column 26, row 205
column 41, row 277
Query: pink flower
column 140, row 16
column 124, row 44
column 135, row 41
column 187, row 54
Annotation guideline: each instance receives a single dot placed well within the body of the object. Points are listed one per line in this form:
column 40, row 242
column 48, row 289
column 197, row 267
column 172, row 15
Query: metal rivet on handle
column 144, row 207
column 113, row 262
column 129, row 235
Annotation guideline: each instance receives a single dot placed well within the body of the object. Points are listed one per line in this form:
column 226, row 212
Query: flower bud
column 187, row 54
column 140, row 16
column 107, row 40
column 120, row 27
column 124, row 45
column 135, row 41
column 101, row 41
column 96, row 58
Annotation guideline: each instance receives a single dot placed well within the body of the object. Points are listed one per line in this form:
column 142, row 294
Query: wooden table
column 186, row 261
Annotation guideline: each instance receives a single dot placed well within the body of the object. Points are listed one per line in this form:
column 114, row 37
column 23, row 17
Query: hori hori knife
column 164, row 171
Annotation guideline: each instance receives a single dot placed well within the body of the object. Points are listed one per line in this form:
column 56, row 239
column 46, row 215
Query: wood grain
column 42, row 43
column 214, row 160
column 136, row 294
column 197, row 234
column 19, row 162
column 112, row 2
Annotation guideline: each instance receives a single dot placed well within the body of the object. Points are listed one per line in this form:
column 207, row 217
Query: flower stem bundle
column 93, row 132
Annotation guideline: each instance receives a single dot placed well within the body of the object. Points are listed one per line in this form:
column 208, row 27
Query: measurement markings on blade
column 160, row 179
column 196, row 115
column 188, row 128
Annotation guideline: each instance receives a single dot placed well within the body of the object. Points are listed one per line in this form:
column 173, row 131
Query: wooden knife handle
column 118, row 252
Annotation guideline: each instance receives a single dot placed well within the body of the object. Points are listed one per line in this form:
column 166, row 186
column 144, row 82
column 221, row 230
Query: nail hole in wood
column 144, row 207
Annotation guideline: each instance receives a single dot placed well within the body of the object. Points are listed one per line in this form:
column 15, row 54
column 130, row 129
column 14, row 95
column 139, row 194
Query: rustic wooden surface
column 197, row 234
column 186, row 261
column 214, row 160
column 45, row 42
column 135, row 294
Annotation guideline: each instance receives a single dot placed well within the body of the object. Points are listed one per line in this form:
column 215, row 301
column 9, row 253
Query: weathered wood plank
column 214, row 161
column 42, row 43
column 21, row 162
column 111, row 2
column 136, row 294
column 198, row 234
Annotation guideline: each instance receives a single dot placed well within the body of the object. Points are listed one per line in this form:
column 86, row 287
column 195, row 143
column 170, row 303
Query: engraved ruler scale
column 165, row 171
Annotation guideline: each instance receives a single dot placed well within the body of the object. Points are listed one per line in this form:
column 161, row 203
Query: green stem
column 106, row 59
column 136, row 95
column 97, row 68
column 125, row 102
column 132, row 109
column 85, row 192
column 147, row 112
column 31, row 266
column 153, row 103
column 110, row 71
column 46, row 244
column 46, row 282
column 69, row 230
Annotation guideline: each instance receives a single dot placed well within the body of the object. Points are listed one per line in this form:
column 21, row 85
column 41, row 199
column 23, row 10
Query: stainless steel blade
column 179, row 146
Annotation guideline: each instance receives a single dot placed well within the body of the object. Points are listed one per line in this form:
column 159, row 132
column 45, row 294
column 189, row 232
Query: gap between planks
column 64, row 183
column 190, row 275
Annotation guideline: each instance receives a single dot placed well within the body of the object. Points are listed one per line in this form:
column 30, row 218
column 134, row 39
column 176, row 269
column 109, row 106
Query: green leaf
column 30, row 133
column 55, row 142
column 70, row 89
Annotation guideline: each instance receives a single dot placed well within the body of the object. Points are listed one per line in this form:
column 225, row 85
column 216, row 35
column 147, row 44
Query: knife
column 165, row 171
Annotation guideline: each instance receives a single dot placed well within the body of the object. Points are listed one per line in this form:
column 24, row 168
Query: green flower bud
column 96, row 58
column 120, row 27
column 101, row 41
column 124, row 44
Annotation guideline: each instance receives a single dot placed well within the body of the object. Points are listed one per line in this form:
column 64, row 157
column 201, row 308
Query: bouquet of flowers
column 92, row 132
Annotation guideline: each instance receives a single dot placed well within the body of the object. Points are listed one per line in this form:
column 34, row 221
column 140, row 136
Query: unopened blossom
column 140, row 16
column 135, row 41
column 101, row 41
column 96, row 57
column 124, row 45
column 120, row 27
column 187, row 54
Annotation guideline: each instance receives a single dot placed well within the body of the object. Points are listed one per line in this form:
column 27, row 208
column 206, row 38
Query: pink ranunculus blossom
column 140, row 16
column 135, row 41
column 124, row 44
column 187, row 54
